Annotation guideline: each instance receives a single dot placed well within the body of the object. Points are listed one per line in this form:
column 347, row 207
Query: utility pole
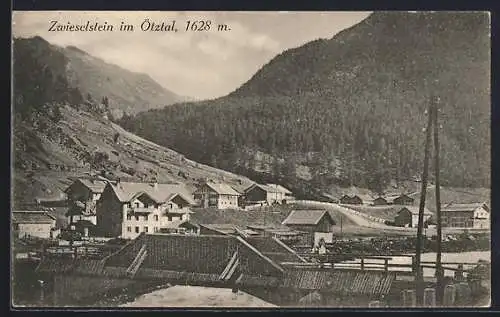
column 439, row 268
column 419, row 279
column 352, row 163
column 341, row 231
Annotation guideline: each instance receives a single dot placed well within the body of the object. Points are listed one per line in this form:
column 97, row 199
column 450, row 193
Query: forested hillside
column 351, row 107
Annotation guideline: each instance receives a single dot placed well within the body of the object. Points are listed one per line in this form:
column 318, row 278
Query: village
column 354, row 231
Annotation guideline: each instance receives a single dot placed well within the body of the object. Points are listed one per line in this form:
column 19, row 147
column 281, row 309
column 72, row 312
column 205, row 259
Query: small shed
column 403, row 199
column 310, row 220
column 408, row 216
column 351, row 200
column 380, row 201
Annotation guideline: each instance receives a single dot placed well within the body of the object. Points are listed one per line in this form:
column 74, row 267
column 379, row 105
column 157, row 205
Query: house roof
column 225, row 228
column 223, row 189
column 40, row 217
column 279, row 188
column 84, row 223
column 126, row 191
column 96, row 186
column 306, row 217
column 363, row 197
column 414, row 210
column 270, row 188
column 461, row 207
column 341, row 282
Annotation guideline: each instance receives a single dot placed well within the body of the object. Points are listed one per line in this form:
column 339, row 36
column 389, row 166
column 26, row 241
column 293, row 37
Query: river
column 195, row 296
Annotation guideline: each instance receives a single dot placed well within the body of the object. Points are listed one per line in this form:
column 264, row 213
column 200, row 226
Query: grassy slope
column 81, row 133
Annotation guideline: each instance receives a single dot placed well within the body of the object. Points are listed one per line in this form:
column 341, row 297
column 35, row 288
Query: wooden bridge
column 261, row 266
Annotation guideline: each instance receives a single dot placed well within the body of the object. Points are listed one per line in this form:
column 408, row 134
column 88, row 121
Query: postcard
column 251, row 159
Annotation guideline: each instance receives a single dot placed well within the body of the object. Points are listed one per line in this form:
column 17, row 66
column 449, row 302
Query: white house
column 217, row 195
column 127, row 209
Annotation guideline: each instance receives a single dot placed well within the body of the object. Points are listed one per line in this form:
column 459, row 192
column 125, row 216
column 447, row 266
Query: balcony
column 142, row 210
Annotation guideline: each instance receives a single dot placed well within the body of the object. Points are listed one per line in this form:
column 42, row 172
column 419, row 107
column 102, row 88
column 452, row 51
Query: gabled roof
column 414, row 210
column 126, row 191
column 222, row 189
column 270, row 188
column 95, row 186
column 306, row 217
column 279, row 188
column 40, row 217
column 225, row 228
column 462, row 207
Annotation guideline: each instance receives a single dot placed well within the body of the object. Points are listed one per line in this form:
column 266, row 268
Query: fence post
column 449, row 295
column 459, row 275
column 386, row 264
column 362, row 263
column 430, row 297
column 411, row 298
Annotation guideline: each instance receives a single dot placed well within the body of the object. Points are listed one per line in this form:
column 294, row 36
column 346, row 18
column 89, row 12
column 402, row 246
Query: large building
column 267, row 194
column 216, row 195
column 127, row 209
column 310, row 220
column 476, row 215
column 408, row 216
column 31, row 224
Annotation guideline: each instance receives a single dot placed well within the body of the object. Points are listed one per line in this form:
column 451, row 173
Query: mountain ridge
column 126, row 91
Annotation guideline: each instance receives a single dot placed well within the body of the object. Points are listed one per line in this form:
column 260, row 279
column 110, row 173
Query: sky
column 200, row 65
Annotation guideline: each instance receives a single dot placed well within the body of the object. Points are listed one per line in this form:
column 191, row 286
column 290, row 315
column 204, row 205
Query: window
column 146, row 206
column 146, row 218
column 129, row 217
column 129, row 229
column 155, row 229
column 137, row 205
column 136, row 218
column 156, row 217
column 169, row 218
column 136, row 229
column 145, row 229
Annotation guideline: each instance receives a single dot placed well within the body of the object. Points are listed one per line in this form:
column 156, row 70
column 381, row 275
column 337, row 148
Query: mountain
column 126, row 91
column 58, row 134
column 350, row 109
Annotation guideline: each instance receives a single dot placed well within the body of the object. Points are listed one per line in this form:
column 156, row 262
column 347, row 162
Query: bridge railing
column 381, row 263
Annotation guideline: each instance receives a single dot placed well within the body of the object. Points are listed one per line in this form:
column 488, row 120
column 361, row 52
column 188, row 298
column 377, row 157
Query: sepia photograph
column 267, row 160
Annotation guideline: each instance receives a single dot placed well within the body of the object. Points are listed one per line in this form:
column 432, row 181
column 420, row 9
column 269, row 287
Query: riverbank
column 119, row 297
